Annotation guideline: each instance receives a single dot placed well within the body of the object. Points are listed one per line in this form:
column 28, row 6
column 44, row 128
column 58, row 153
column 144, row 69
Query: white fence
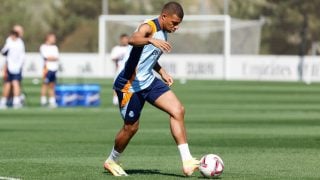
column 189, row 66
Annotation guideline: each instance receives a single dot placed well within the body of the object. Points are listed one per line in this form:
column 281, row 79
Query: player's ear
column 163, row 16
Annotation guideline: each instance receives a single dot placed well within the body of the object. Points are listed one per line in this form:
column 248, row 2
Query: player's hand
column 161, row 44
column 167, row 79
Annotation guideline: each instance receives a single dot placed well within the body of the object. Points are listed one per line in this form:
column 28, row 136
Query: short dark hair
column 173, row 8
column 14, row 33
column 49, row 34
column 123, row 35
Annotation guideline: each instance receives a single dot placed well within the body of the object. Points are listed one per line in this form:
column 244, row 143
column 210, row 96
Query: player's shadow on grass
column 148, row 172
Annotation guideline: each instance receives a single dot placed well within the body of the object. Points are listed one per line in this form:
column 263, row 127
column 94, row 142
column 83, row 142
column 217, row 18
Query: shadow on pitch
column 148, row 172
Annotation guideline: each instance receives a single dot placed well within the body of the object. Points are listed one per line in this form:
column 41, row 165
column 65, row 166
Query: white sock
column 114, row 155
column 43, row 100
column 16, row 100
column 52, row 100
column 3, row 101
column 184, row 152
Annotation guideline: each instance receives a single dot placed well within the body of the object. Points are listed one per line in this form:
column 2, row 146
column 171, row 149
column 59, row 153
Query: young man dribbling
column 136, row 84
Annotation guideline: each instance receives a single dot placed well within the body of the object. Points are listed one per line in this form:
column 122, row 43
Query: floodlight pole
column 102, row 34
column 102, row 42
column 226, row 7
column 105, row 6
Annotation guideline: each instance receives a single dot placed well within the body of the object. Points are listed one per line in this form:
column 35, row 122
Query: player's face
column 171, row 22
column 19, row 30
column 52, row 39
column 124, row 41
column 13, row 37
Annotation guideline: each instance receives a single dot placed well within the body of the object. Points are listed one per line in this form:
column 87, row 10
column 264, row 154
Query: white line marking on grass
column 8, row 178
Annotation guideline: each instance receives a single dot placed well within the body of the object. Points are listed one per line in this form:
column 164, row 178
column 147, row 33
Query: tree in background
column 14, row 14
column 74, row 22
column 76, row 25
column 291, row 26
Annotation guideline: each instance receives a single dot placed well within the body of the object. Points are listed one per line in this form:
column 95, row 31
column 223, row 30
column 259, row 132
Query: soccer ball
column 211, row 166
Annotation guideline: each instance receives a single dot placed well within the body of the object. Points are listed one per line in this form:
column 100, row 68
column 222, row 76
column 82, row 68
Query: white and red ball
column 211, row 166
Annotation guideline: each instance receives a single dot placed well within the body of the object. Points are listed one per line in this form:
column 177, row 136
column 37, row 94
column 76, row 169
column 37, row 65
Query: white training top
column 15, row 54
column 50, row 51
column 117, row 53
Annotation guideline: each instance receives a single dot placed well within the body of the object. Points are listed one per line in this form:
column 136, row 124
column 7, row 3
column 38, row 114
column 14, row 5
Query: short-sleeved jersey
column 50, row 51
column 137, row 73
column 15, row 54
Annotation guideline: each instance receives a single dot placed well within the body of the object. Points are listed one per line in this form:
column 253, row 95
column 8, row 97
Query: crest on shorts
column 131, row 114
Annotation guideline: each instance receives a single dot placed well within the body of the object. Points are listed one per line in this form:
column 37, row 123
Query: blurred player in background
column 136, row 84
column 14, row 50
column 117, row 55
column 50, row 54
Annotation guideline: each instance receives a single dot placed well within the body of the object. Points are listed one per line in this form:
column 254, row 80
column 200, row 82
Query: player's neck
column 160, row 22
column 14, row 38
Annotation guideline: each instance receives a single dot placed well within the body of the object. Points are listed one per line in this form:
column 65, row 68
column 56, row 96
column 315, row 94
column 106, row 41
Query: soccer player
column 117, row 54
column 14, row 50
column 136, row 84
column 50, row 54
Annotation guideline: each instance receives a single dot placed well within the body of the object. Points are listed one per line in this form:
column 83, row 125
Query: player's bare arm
column 164, row 75
column 143, row 37
column 52, row 58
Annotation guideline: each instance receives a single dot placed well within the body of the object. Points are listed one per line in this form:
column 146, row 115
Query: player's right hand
column 161, row 44
column 167, row 79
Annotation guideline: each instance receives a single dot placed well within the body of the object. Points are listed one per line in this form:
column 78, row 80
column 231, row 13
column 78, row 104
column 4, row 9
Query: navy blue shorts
column 49, row 77
column 131, row 104
column 8, row 77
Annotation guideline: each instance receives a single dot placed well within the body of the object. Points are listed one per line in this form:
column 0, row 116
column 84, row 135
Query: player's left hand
column 167, row 79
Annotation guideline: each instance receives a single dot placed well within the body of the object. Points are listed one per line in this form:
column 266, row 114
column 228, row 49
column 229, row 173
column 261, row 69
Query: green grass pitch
column 262, row 130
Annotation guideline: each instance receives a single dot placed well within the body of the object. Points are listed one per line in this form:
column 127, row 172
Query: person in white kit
column 14, row 50
column 117, row 54
column 50, row 54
